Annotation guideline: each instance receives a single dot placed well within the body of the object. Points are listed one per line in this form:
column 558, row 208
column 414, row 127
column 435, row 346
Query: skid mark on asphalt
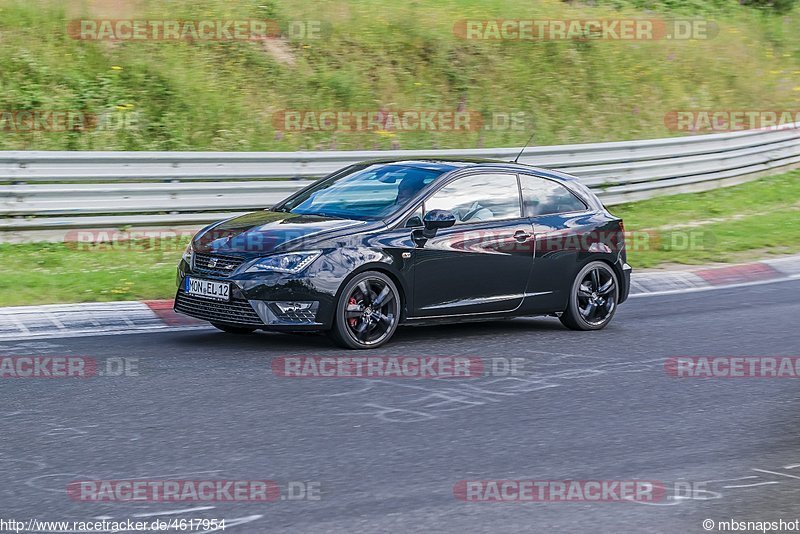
column 561, row 356
column 173, row 512
column 18, row 471
column 430, row 399
column 66, row 478
column 37, row 347
column 52, row 429
column 700, row 492
column 685, row 491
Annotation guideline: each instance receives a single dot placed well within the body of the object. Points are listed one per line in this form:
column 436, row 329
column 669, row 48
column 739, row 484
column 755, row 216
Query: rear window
column 546, row 197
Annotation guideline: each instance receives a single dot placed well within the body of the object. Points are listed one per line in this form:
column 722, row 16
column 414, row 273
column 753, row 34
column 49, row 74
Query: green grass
column 37, row 273
column 728, row 225
column 375, row 54
column 54, row 273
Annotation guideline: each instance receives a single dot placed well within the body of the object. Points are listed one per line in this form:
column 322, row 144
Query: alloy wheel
column 597, row 296
column 371, row 311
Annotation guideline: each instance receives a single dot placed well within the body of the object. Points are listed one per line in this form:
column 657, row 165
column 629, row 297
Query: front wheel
column 233, row 329
column 592, row 299
column 367, row 313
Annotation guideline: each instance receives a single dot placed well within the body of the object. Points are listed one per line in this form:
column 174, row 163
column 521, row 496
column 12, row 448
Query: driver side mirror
column 438, row 219
column 434, row 220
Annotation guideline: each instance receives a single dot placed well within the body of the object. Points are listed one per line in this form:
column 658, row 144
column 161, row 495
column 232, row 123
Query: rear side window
column 546, row 197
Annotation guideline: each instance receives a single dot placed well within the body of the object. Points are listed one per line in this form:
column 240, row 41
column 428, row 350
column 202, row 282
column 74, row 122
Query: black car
column 384, row 243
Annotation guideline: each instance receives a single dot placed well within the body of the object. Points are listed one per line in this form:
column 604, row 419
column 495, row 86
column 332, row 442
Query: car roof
column 451, row 164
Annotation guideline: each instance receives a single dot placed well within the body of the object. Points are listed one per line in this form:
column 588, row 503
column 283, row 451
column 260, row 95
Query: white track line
column 711, row 288
column 166, row 328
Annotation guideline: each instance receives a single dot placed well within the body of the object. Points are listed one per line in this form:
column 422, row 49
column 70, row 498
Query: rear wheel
column 367, row 313
column 233, row 329
column 593, row 298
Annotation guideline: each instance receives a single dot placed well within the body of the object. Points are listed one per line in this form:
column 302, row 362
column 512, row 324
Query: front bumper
column 269, row 301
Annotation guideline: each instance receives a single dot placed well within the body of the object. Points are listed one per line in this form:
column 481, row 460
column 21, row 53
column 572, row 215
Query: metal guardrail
column 111, row 189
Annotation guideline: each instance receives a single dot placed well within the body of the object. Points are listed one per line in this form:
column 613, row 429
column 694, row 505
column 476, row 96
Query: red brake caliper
column 352, row 322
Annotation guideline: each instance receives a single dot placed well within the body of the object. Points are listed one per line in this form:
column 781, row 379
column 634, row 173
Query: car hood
column 263, row 232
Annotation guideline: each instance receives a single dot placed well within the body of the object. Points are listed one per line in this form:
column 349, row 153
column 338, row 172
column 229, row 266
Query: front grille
column 215, row 264
column 236, row 312
column 304, row 316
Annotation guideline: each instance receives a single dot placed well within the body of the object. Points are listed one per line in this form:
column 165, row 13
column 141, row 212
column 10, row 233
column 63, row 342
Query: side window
column 482, row 197
column 546, row 197
column 415, row 220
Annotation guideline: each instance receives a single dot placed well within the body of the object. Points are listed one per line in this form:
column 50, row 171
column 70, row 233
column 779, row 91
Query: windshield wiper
column 320, row 214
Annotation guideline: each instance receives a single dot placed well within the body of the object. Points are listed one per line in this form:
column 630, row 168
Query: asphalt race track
column 386, row 454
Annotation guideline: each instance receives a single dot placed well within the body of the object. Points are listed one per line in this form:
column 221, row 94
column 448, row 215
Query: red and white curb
column 107, row 318
column 68, row 320
column 705, row 278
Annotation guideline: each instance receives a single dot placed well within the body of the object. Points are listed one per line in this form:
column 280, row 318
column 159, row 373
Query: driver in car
column 474, row 213
column 410, row 185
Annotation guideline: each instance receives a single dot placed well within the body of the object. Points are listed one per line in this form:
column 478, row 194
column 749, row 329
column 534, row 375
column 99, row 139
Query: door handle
column 521, row 235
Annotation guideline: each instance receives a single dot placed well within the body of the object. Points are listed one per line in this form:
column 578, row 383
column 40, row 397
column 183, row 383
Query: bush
column 779, row 6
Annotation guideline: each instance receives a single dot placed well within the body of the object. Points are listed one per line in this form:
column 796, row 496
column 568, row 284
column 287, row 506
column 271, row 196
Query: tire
column 592, row 301
column 358, row 324
column 233, row 329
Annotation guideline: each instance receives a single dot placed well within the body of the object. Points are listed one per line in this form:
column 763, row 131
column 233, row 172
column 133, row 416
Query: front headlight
column 187, row 254
column 292, row 262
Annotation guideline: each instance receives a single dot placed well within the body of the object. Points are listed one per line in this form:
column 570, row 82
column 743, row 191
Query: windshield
column 369, row 193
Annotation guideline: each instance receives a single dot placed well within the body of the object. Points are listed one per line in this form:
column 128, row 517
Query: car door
column 564, row 227
column 482, row 263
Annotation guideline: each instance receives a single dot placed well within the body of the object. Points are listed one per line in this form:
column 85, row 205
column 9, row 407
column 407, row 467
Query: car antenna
column 523, row 148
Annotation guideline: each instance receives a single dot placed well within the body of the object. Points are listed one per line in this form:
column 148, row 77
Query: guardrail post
column 173, row 195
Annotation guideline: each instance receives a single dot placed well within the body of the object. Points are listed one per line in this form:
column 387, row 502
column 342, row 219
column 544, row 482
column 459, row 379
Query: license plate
column 207, row 289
